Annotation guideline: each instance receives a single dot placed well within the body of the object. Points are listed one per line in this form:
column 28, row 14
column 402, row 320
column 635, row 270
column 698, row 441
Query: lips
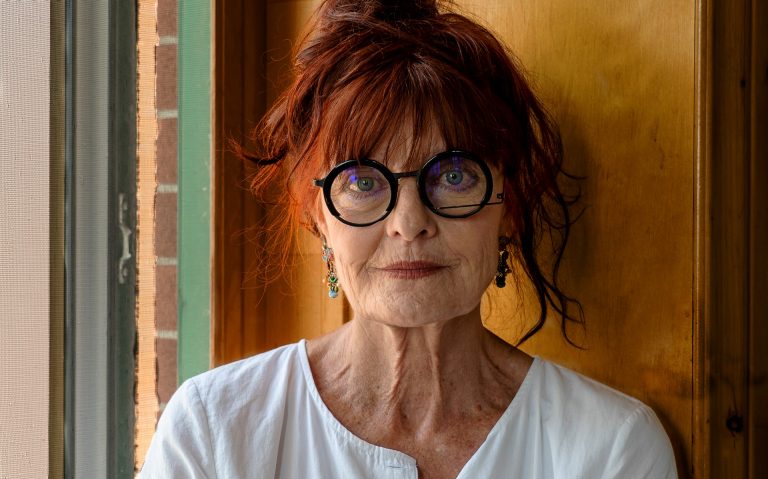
column 411, row 269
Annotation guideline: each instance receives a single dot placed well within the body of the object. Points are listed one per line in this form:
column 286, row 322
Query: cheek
column 478, row 237
column 480, row 257
column 353, row 247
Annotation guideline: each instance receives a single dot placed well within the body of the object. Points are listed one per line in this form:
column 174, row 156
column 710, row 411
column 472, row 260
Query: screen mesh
column 24, row 237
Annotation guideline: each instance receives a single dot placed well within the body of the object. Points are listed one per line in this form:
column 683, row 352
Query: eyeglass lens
column 361, row 194
column 455, row 185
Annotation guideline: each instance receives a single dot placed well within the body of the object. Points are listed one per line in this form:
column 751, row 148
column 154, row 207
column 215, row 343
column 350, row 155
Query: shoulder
column 611, row 433
column 565, row 389
column 250, row 379
column 254, row 391
column 201, row 433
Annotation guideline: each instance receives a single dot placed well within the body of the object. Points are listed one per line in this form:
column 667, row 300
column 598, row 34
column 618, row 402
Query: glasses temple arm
column 499, row 196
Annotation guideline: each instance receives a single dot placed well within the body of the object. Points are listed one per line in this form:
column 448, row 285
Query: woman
column 412, row 146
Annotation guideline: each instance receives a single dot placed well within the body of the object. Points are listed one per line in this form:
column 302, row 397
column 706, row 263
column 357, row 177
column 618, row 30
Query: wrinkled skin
column 415, row 370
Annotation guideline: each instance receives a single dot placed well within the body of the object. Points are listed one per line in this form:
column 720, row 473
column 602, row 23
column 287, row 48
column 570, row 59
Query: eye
column 364, row 183
column 454, row 177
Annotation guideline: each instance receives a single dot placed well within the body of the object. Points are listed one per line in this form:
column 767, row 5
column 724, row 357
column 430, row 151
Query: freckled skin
column 415, row 370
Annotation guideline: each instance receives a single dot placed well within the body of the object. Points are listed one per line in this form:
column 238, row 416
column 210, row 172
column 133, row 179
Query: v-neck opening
column 390, row 457
column 402, row 459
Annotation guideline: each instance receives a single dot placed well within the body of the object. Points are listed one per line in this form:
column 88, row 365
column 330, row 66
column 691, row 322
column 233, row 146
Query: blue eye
column 454, row 177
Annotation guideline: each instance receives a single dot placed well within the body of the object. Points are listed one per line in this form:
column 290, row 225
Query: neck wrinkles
column 419, row 378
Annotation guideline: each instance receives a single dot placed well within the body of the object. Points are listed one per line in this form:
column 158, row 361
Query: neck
column 419, row 378
column 419, row 368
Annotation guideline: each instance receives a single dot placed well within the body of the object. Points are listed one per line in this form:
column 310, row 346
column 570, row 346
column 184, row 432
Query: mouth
column 412, row 269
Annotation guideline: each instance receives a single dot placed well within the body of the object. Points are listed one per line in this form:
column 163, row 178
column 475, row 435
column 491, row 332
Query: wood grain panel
column 757, row 415
column 618, row 77
column 298, row 305
column 228, row 195
column 229, row 115
column 253, row 45
column 254, row 96
column 700, row 463
column 737, row 338
column 730, row 223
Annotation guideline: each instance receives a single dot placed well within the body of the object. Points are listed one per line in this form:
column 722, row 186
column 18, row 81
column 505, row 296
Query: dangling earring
column 503, row 268
column 331, row 279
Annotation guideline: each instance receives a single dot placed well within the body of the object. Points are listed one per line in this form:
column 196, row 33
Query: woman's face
column 415, row 267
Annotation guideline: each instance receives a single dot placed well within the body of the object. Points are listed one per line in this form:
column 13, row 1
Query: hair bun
column 383, row 10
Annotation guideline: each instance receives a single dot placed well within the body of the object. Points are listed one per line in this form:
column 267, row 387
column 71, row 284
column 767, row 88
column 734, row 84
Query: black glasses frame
column 393, row 180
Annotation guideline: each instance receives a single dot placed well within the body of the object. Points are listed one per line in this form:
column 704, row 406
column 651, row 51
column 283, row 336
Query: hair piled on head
column 382, row 10
column 369, row 67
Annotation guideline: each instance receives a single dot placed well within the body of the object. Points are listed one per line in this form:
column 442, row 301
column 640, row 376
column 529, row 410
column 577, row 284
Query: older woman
column 412, row 146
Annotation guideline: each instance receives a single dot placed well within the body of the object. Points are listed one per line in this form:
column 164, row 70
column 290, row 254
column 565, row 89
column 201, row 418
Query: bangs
column 408, row 106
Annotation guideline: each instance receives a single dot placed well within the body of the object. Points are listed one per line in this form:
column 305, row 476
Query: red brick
column 166, row 18
column 167, row 149
column 166, row 299
column 166, row 77
column 165, row 225
column 166, row 368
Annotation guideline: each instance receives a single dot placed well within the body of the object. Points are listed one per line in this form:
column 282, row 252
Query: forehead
column 408, row 148
column 406, row 112
column 395, row 123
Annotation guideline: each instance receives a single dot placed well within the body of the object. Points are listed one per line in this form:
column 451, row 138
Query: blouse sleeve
column 642, row 449
column 181, row 446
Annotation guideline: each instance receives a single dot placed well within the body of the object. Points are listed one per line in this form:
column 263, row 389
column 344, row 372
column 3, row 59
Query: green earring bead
column 331, row 279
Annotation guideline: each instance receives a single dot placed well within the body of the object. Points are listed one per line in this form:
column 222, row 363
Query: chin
column 411, row 311
column 413, row 302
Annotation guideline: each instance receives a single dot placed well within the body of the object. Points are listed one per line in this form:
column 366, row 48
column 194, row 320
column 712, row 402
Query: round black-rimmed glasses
column 452, row 184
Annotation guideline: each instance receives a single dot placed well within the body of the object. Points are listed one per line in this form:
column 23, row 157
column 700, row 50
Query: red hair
column 367, row 68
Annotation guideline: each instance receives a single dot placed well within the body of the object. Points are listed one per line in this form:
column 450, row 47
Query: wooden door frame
column 731, row 224
column 249, row 315
column 240, row 101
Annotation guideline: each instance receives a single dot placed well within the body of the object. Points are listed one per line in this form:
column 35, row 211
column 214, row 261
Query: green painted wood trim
column 194, row 202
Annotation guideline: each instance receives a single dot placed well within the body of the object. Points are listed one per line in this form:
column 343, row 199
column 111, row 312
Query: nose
column 411, row 219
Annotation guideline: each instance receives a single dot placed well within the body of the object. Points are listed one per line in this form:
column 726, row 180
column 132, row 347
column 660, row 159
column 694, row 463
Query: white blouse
column 262, row 417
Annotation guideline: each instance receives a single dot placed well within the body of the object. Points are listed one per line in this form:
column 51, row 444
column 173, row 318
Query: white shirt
column 262, row 417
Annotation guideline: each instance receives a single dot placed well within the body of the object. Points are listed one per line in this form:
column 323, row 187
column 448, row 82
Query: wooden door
column 662, row 106
column 619, row 78
column 253, row 43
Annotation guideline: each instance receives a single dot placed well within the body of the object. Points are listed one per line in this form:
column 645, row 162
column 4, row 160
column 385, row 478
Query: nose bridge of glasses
column 399, row 176
column 406, row 174
column 408, row 190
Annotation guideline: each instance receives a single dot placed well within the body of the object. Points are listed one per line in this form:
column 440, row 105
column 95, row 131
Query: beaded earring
column 331, row 279
column 503, row 268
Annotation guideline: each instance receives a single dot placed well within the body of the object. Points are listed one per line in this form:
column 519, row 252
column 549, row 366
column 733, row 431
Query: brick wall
column 157, row 200
column 166, row 200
